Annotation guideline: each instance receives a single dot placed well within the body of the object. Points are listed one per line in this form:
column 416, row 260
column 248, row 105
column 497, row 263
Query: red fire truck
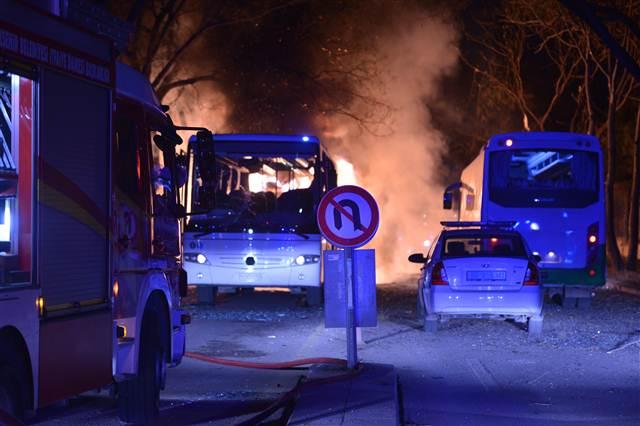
column 90, row 269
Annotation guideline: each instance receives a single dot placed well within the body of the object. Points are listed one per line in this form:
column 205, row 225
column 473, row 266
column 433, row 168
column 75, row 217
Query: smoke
column 199, row 106
column 399, row 161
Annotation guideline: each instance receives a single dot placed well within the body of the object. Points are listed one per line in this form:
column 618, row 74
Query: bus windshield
column 255, row 194
column 543, row 178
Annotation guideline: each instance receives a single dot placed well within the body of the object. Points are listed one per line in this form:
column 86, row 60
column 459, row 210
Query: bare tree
column 521, row 37
column 634, row 200
column 167, row 30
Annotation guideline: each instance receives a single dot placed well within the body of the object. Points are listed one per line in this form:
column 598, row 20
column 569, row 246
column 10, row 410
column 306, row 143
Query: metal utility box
column 335, row 295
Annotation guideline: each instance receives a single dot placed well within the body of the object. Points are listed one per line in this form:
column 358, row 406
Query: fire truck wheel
column 139, row 398
column 8, row 403
column 10, row 391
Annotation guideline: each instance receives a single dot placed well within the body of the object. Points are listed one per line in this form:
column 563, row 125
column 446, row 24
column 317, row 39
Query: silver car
column 480, row 270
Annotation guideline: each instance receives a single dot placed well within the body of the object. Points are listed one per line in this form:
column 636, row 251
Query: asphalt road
column 472, row 372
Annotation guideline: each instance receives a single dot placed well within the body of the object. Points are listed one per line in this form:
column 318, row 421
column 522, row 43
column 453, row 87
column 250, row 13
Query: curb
column 369, row 397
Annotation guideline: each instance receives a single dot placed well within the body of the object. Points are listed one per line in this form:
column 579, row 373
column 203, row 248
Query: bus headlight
column 306, row 259
column 196, row 258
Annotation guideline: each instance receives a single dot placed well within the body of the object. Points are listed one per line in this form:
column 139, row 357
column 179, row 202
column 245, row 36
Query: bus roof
column 264, row 137
column 552, row 140
column 265, row 144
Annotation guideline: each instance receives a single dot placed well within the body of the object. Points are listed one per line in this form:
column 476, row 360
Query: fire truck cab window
column 129, row 159
column 16, row 182
column 161, row 174
column 165, row 225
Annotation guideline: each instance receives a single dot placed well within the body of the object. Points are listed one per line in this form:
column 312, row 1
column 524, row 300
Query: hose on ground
column 262, row 365
column 289, row 396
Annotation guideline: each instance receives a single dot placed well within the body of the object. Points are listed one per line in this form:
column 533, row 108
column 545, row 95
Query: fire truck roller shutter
column 73, row 191
column 72, row 251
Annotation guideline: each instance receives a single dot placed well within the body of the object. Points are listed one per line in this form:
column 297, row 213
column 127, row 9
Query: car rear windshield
column 483, row 245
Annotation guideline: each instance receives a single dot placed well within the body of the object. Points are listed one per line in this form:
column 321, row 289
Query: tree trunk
column 591, row 126
column 612, row 242
column 634, row 201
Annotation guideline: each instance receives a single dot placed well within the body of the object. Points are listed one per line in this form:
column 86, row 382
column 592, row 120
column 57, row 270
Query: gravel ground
column 612, row 319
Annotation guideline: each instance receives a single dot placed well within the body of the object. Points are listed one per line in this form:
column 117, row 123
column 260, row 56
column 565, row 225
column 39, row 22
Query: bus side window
column 470, row 201
column 16, row 181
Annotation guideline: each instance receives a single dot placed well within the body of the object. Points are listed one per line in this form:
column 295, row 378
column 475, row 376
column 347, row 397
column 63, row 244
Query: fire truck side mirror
column 182, row 283
column 203, row 136
column 179, row 211
column 167, row 143
column 447, row 201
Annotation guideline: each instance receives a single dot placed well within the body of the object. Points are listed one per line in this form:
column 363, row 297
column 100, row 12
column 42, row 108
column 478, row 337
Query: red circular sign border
column 368, row 233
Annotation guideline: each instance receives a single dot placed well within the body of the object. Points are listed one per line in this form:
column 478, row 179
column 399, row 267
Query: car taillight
column 592, row 235
column 439, row 275
column 531, row 276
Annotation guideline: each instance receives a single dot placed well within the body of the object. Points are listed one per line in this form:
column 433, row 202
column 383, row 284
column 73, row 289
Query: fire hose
column 266, row 366
column 291, row 395
column 9, row 420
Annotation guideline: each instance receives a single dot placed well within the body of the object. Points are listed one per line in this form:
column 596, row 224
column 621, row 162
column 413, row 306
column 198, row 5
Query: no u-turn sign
column 348, row 216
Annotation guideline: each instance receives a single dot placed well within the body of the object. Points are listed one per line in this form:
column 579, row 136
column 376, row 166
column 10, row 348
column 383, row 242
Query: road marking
column 482, row 374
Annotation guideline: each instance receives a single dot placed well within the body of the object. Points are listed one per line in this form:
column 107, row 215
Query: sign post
column 348, row 217
column 352, row 346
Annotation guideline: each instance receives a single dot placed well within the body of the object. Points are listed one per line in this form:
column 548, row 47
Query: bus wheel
column 207, row 294
column 584, row 302
column 314, row 296
column 139, row 398
column 569, row 302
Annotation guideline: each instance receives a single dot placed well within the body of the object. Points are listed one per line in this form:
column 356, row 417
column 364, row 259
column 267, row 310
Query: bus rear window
column 543, row 178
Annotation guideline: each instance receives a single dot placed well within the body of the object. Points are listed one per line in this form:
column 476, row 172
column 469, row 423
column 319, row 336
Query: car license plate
column 486, row 275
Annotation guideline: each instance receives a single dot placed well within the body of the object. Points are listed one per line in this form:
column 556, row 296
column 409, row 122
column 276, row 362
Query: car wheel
column 534, row 326
column 430, row 324
column 419, row 308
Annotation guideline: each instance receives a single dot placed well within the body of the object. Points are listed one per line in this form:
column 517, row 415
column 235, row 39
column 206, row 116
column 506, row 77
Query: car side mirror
column 536, row 258
column 447, row 201
column 417, row 258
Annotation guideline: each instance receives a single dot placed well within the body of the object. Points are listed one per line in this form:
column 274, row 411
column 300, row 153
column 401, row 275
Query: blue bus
column 551, row 184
